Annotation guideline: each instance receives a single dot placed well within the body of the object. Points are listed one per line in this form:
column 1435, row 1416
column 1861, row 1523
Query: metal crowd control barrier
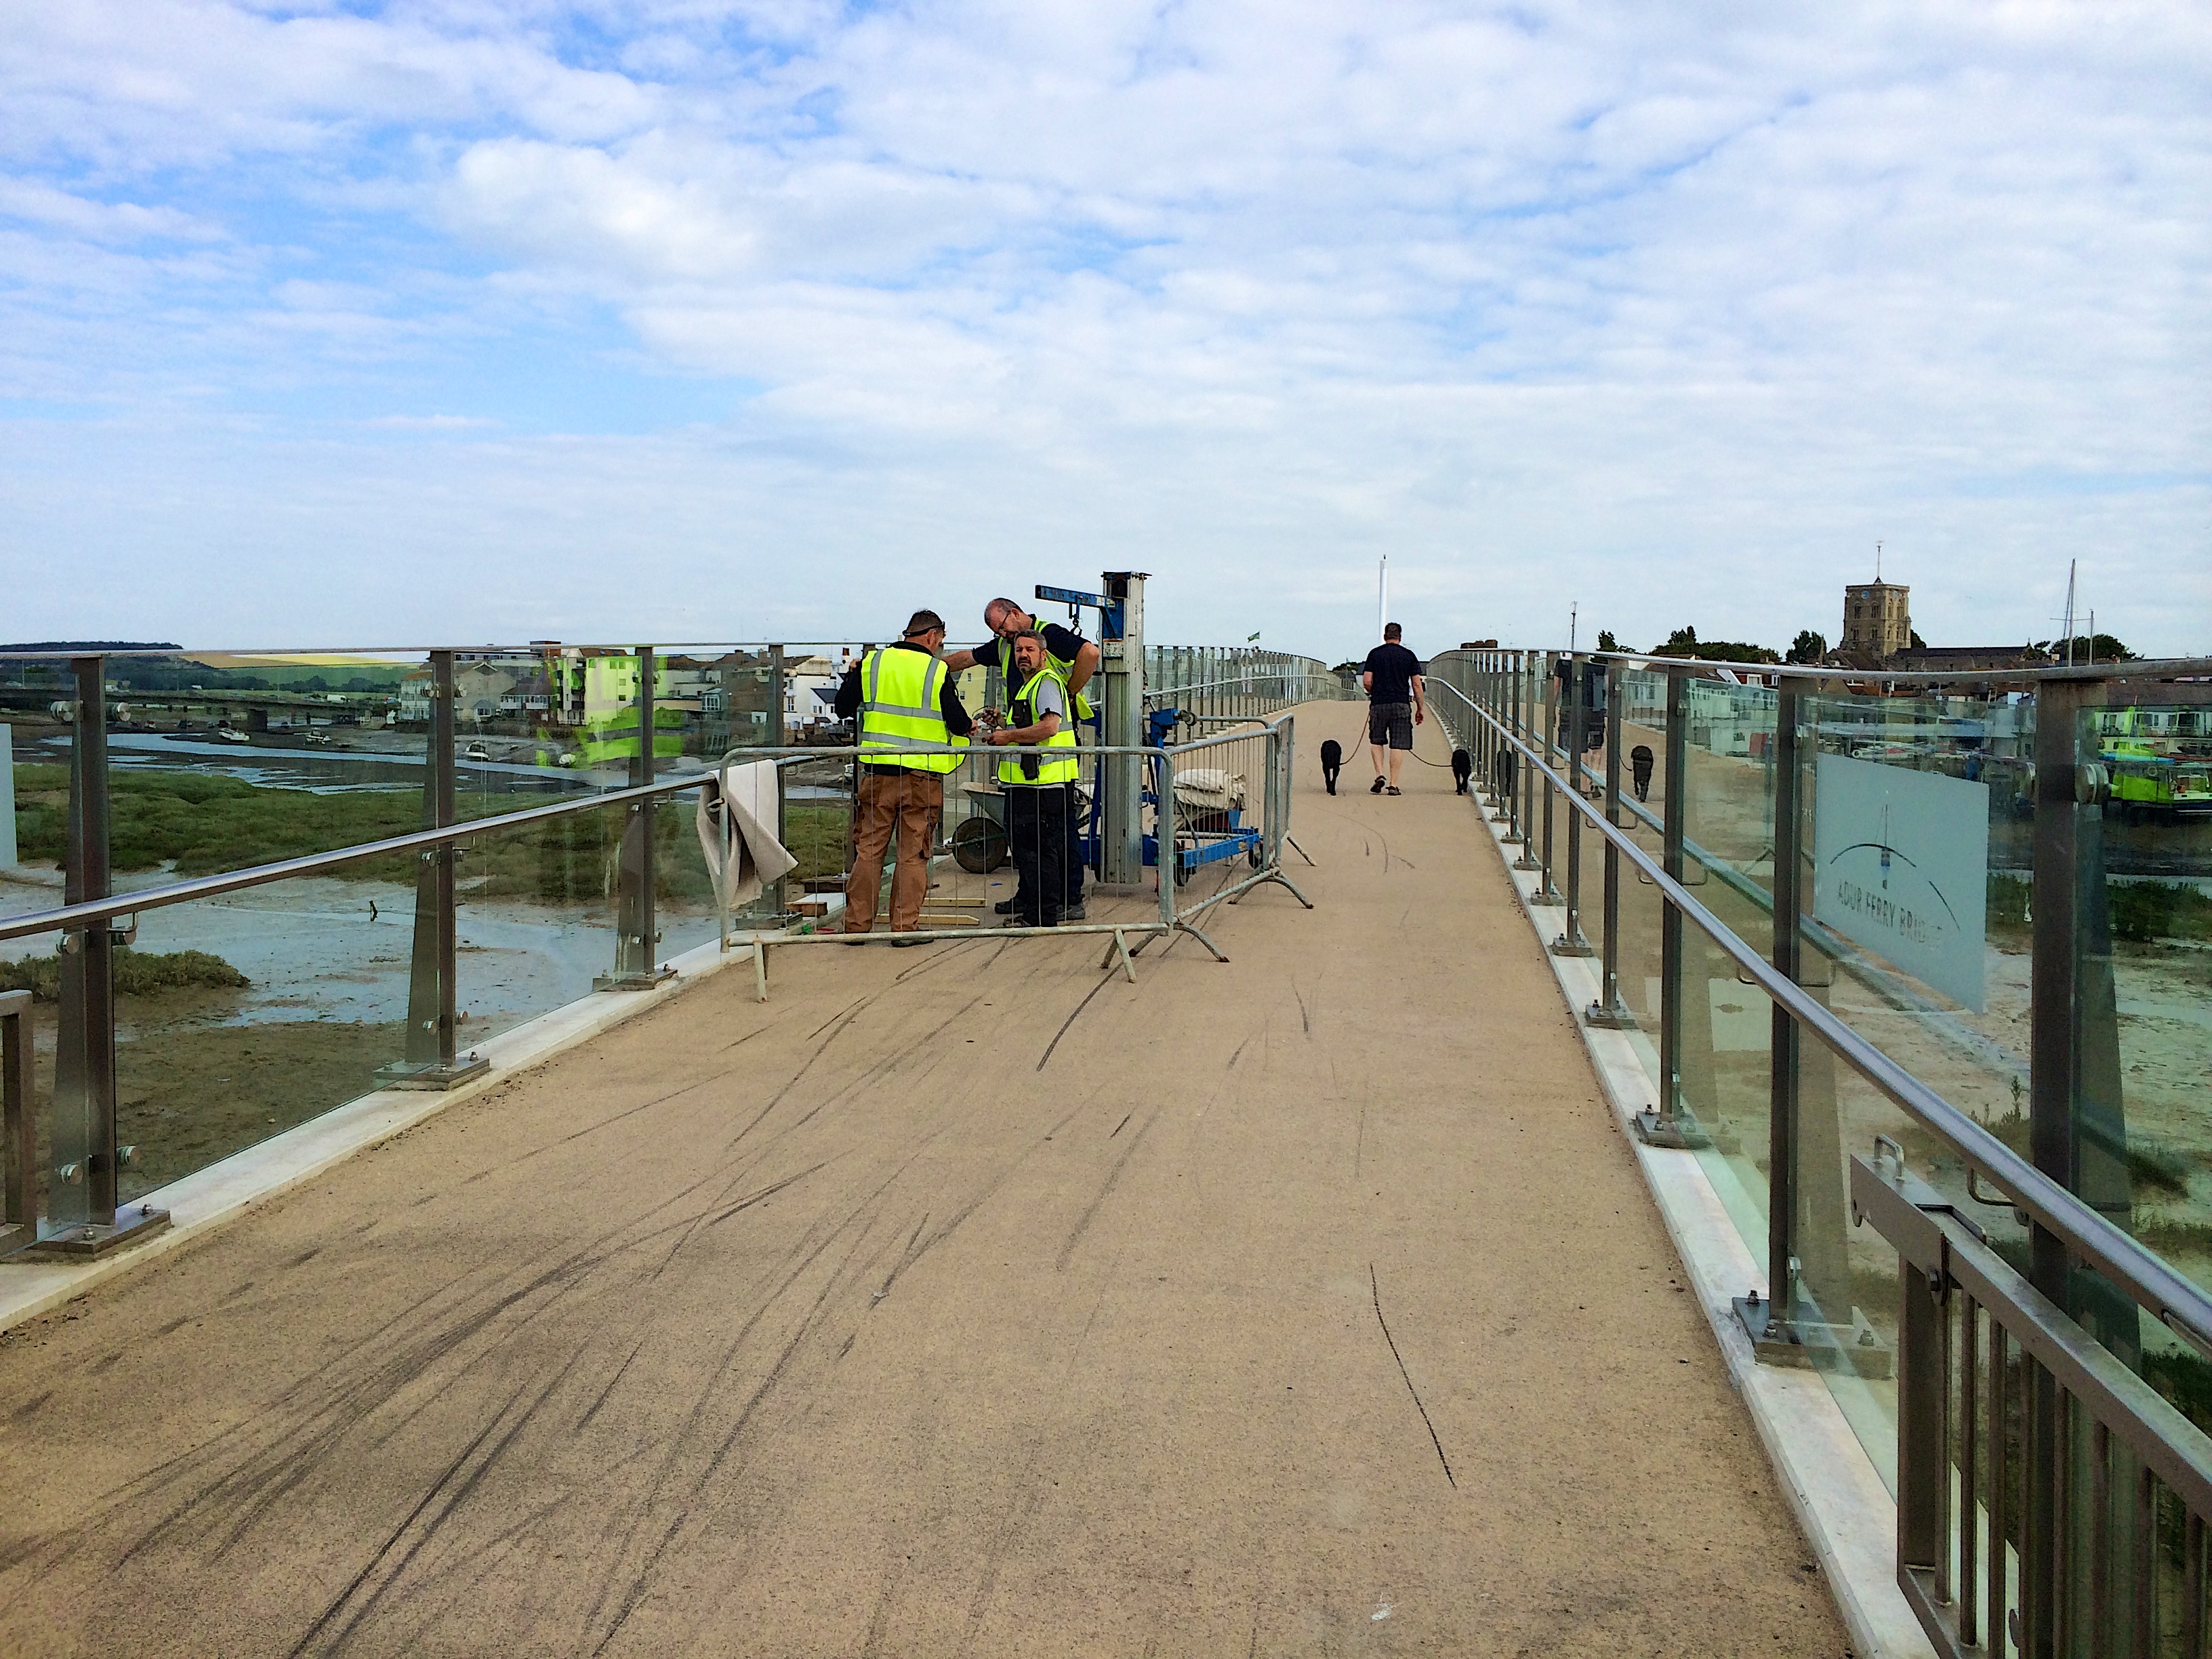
column 1178, row 845
column 2049, row 1500
column 84, row 1216
column 89, row 920
column 1231, row 682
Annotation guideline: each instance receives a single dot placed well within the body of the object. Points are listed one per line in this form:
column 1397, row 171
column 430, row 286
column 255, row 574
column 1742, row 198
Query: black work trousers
column 1036, row 830
column 1076, row 815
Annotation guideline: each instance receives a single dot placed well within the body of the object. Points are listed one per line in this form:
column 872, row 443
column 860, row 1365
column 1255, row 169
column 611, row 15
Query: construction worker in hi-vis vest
column 908, row 714
column 1035, row 786
column 1077, row 659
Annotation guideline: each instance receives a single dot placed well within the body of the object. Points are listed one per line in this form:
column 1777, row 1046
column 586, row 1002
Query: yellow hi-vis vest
column 1022, row 711
column 1063, row 667
column 900, row 710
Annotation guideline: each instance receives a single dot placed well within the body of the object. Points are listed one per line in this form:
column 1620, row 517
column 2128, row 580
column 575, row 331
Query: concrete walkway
column 957, row 1301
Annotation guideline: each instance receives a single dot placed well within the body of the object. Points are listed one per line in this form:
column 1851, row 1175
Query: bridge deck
column 956, row 1301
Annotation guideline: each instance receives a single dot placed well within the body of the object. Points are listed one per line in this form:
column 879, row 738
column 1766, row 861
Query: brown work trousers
column 910, row 802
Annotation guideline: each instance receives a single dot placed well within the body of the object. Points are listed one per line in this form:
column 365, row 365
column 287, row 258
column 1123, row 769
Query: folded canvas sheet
column 736, row 820
column 1209, row 787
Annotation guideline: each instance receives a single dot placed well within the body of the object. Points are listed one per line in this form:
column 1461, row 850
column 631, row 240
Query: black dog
column 1332, row 761
column 1462, row 768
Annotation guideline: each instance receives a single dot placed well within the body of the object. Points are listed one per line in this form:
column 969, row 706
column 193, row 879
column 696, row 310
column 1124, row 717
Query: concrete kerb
column 221, row 1193
column 1833, row 1489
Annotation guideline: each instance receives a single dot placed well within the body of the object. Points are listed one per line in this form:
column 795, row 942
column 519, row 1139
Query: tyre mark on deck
column 1103, row 982
column 1113, row 1179
column 1374, row 1286
column 453, row 1496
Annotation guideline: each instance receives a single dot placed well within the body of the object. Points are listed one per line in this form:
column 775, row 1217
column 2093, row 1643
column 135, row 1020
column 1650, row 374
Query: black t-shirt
column 1394, row 668
column 1060, row 642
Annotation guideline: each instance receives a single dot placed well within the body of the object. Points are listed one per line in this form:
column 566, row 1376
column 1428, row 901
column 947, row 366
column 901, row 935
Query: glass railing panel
column 240, row 1016
column 1727, row 1022
column 2145, row 1026
column 219, row 765
column 2142, row 1035
column 1917, row 855
column 1643, row 811
column 538, row 909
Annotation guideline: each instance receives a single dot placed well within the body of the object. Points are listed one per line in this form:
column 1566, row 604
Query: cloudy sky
column 462, row 320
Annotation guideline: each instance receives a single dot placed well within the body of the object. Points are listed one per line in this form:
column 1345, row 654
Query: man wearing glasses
column 1073, row 660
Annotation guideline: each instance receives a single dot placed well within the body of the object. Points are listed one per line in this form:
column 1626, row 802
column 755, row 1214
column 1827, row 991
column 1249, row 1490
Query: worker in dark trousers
column 1074, row 659
column 1035, row 785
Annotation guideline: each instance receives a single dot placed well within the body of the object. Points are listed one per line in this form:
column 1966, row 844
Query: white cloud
column 1676, row 308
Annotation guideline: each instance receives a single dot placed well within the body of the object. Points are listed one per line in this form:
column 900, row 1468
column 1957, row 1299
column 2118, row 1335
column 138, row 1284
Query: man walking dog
column 1397, row 703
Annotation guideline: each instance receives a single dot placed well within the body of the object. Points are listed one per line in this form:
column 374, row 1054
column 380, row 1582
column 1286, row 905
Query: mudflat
column 961, row 1300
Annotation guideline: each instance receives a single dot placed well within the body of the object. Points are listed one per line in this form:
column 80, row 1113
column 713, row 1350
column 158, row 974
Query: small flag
column 1249, row 638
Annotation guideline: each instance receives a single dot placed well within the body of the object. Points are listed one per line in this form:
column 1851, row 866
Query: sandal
column 1376, row 787
column 1394, row 790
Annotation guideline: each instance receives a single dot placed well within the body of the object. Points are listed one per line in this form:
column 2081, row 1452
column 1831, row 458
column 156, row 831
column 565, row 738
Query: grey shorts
column 1391, row 723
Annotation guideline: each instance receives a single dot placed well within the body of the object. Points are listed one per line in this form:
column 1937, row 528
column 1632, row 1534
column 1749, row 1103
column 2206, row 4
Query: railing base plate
column 632, row 982
column 1669, row 1134
column 1615, row 1018
column 1813, row 1345
column 90, row 1238
column 400, row 1074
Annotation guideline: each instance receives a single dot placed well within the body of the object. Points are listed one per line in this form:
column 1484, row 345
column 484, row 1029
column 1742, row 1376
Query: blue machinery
column 1206, row 837
column 1118, row 795
column 1112, row 841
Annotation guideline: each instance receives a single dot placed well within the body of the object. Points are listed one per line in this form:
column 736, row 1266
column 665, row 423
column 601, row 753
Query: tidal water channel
column 203, row 1073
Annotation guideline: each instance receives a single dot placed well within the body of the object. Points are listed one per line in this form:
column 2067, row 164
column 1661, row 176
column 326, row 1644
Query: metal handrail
column 2167, row 668
column 70, row 917
column 2174, row 1301
column 520, row 649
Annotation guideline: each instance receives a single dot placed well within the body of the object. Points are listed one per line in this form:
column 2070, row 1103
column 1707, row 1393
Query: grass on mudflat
column 137, row 974
column 2142, row 912
column 203, row 825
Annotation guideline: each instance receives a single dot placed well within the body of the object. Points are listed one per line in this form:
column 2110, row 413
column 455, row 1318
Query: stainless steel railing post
column 1545, row 893
column 87, row 1157
column 431, row 1056
column 1493, row 765
column 1524, row 703
column 1609, row 1011
column 1509, row 768
column 1669, row 1123
column 1570, row 941
column 778, row 892
column 2068, row 813
column 19, row 1126
column 1478, row 741
column 637, row 933
column 83, row 1123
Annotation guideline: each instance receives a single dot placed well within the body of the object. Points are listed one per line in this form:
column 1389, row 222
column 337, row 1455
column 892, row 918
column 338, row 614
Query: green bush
column 137, row 974
column 2146, row 910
